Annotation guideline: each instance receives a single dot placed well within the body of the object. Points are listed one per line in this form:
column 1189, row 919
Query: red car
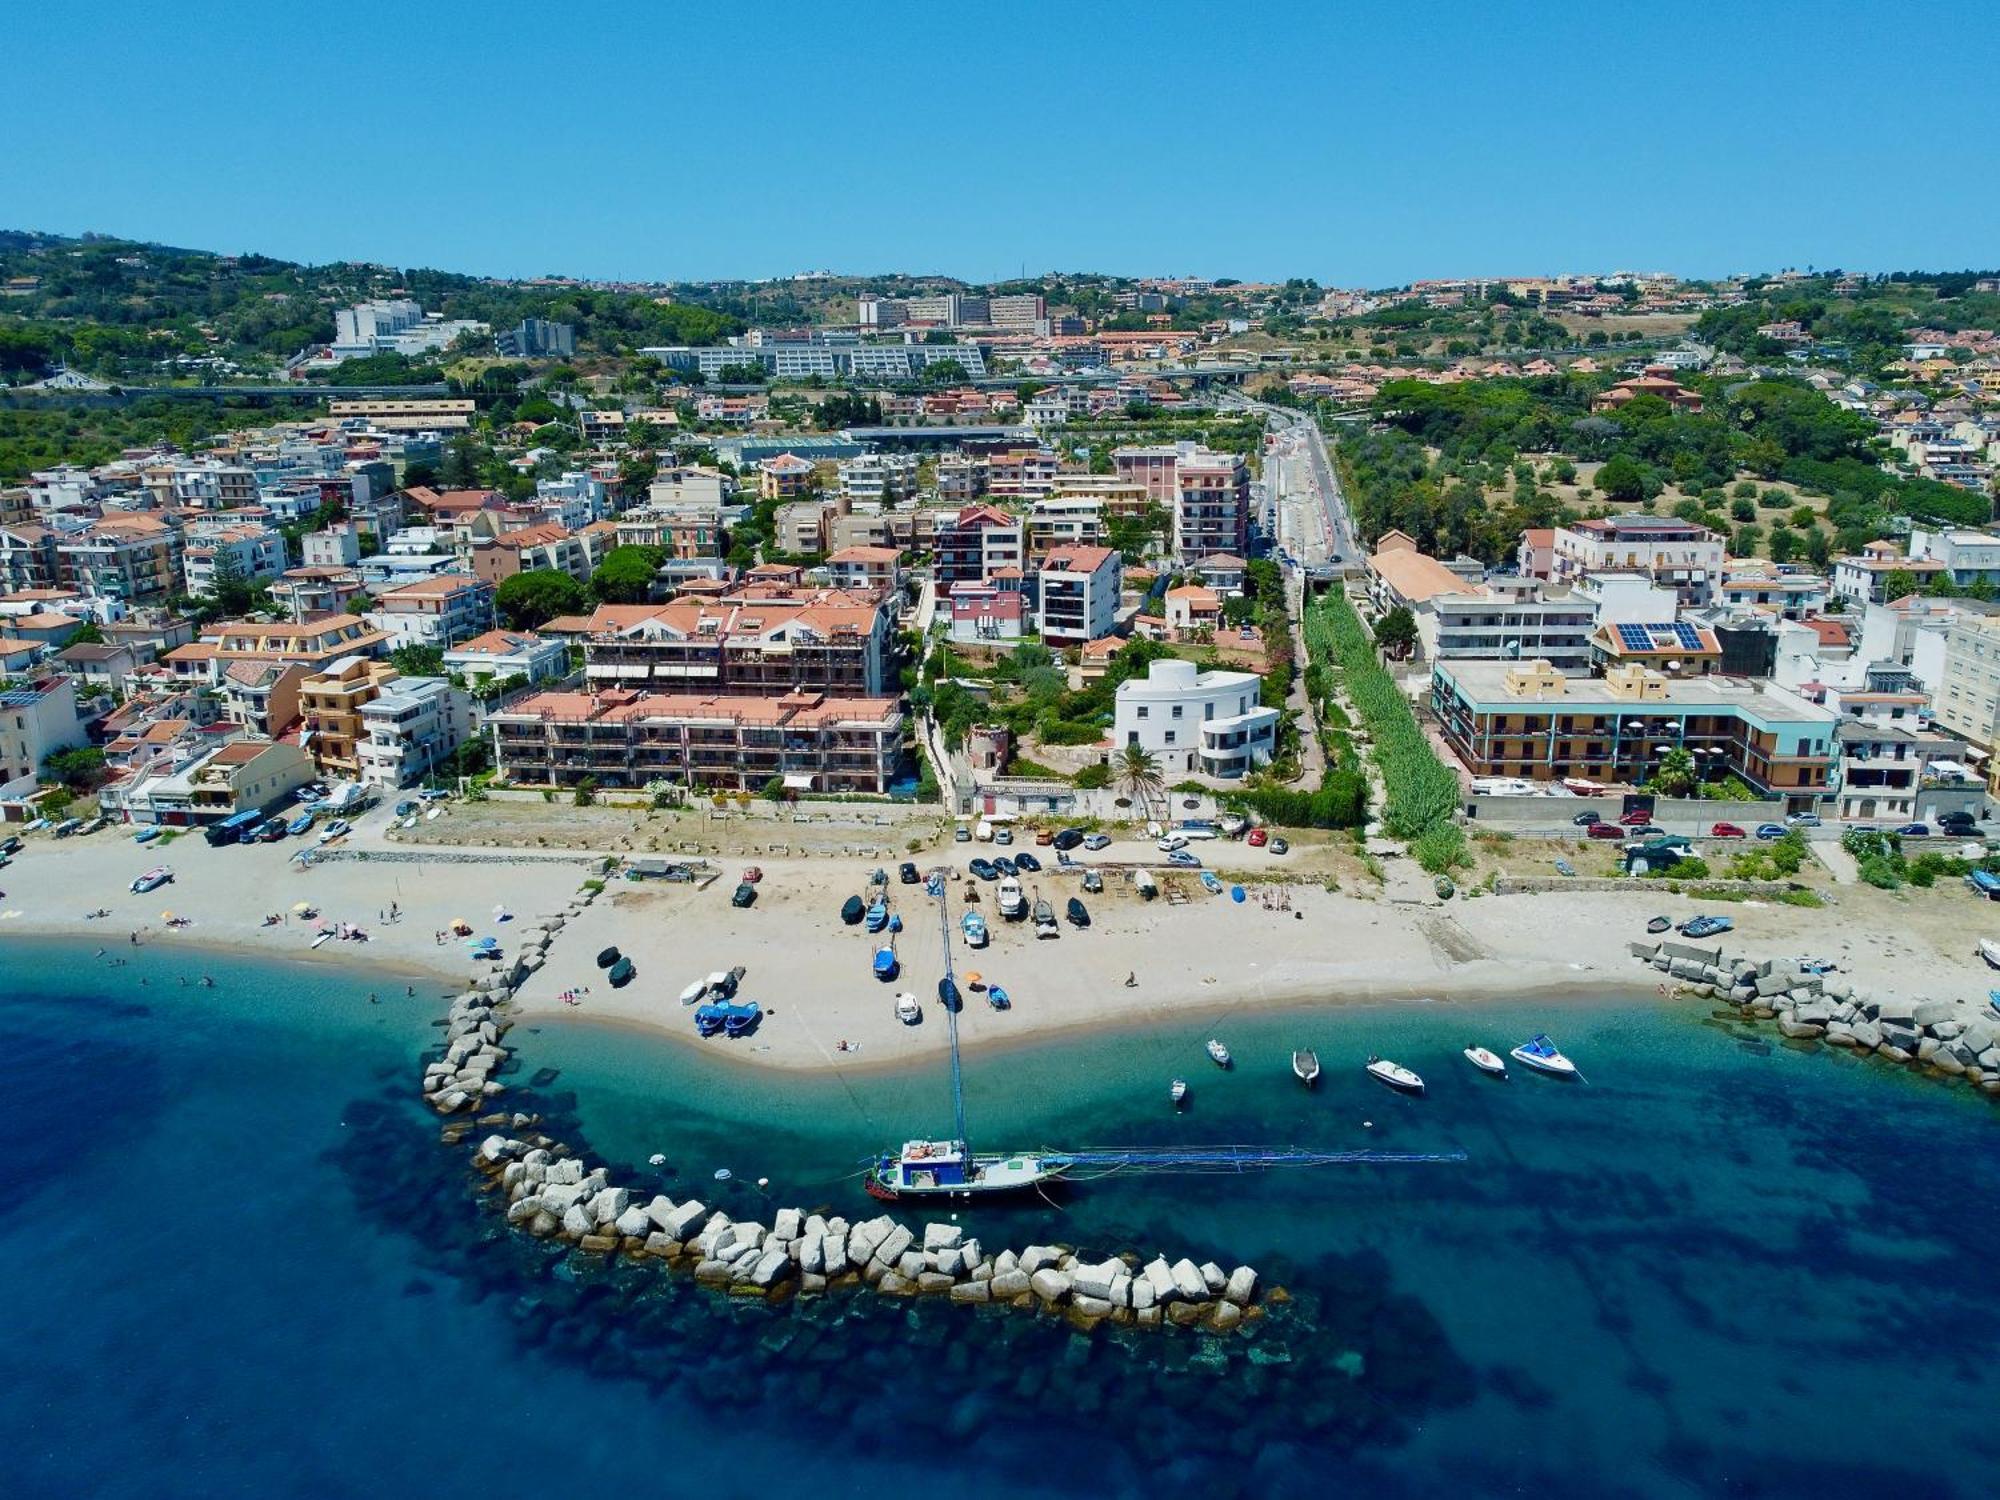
column 752, row 875
column 1727, row 831
column 1607, row 830
column 1634, row 819
column 1258, row 838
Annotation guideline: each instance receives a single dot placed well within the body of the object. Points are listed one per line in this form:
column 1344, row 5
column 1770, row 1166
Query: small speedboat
column 974, row 927
column 147, row 834
column 1305, row 1066
column 908, row 1011
column 878, row 917
column 1217, row 1053
column 1990, row 951
column 1486, row 1062
column 1179, row 1092
column 692, row 995
column 998, row 998
column 1540, row 1054
column 1395, row 1075
column 1210, row 883
column 886, row 966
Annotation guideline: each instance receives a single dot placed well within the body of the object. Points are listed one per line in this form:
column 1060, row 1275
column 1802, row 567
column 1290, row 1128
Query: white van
column 983, row 831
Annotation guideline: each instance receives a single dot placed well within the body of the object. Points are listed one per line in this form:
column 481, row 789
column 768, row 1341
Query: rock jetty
column 550, row 1192
column 1949, row 1039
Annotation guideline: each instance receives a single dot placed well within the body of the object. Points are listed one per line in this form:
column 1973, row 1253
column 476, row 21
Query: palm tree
column 1139, row 775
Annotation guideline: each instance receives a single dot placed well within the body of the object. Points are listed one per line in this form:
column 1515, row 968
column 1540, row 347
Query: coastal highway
column 1313, row 523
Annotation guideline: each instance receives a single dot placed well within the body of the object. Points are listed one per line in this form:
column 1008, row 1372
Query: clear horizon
column 1358, row 150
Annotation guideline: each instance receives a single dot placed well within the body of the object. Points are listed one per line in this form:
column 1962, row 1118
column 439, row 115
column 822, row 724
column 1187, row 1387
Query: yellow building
column 330, row 703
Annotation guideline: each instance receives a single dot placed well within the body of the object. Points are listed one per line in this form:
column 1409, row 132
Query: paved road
column 1314, row 524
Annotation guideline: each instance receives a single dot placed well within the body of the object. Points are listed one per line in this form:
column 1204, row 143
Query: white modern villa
column 1204, row 723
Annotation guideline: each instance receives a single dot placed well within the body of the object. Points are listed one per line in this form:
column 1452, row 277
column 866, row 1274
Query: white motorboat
column 1395, row 1075
column 1179, row 1092
column 1013, row 905
column 1217, row 1053
column 1540, row 1054
column 1305, row 1066
column 1486, row 1062
column 693, row 993
column 907, row 1009
column 1990, row 951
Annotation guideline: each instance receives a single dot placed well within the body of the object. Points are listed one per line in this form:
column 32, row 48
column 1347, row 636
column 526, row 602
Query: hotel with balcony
column 1530, row 721
column 625, row 739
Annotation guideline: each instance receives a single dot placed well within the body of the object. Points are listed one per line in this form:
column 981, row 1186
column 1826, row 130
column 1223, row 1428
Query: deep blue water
column 233, row 1261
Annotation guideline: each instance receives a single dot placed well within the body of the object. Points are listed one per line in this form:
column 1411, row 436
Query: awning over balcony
column 798, row 781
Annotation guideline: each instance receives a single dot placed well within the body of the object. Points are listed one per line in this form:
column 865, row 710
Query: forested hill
column 1465, row 468
column 119, row 308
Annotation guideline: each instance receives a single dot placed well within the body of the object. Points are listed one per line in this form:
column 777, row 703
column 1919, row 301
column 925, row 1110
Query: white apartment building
column 1681, row 555
column 411, row 727
column 1194, row 722
column 1077, row 595
column 1967, row 701
column 257, row 552
column 1966, row 556
column 36, row 720
column 441, row 610
column 1496, row 626
column 1064, row 521
column 878, row 478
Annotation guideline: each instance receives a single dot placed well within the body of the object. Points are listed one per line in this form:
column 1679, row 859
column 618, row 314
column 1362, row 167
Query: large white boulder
column 1161, row 1277
column 1241, row 1287
column 1050, row 1285
column 1188, row 1282
column 634, row 1222
column 942, row 1236
column 682, row 1218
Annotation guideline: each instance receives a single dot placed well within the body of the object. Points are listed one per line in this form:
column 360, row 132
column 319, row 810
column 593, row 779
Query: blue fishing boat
column 1210, row 883
column 948, row 995
column 974, row 927
column 998, row 998
column 1993, row 999
column 1984, row 883
column 147, row 834
column 731, row 1018
column 878, row 917
column 301, row 824
column 886, row 967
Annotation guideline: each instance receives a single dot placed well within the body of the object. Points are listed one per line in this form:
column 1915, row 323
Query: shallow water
column 233, row 1261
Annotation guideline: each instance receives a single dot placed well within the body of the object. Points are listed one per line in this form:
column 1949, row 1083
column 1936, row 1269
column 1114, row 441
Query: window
column 1140, row 712
column 1177, row 710
column 1170, row 736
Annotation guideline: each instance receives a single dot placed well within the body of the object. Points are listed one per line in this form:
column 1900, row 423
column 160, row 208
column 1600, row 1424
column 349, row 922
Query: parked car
column 1914, row 831
column 961, row 835
column 1257, row 838
column 1726, row 831
column 1958, row 824
column 1181, row 859
column 1003, row 835
column 1803, row 820
column 1772, row 830
column 1701, row 927
column 1646, row 831
column 745, row 894
column 1068, row 839
column 1281, row 845
column 752, row 874
column 1092, row 881
column 1586, row 819
column 1633, row 819
column 1006, row 866
column 1168, row 842
column 1045, row 836
column 1604, row 831
column 1026, row 861
column 907, row 873
column 984, row 869
column 1097, row 841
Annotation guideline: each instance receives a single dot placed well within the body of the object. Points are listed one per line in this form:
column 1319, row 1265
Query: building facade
column 1194, row 722
column 1681, row 555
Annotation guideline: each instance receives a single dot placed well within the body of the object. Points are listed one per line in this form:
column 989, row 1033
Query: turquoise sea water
column 233, row 1261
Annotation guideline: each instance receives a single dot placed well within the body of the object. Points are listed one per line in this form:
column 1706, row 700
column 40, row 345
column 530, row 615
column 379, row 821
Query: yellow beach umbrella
column 974, row 979
column 166, row 916
column 301, row 906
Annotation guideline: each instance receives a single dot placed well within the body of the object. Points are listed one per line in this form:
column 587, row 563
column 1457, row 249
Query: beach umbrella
column 166, row 916
column 301, row 906
column 975, row 979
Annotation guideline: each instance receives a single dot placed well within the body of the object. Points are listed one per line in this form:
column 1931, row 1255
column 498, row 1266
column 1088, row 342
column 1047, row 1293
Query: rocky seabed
column 551, row 1193
column 1949, row 1039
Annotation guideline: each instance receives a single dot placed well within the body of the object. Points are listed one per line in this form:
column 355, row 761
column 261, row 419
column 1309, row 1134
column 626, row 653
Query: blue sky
column 1358, row 145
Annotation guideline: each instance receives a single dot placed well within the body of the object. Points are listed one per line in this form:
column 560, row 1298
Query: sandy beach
column 1194, row 966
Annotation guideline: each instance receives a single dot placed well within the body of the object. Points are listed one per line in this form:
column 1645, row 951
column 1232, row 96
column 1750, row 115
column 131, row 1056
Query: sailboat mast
column 951, row 1011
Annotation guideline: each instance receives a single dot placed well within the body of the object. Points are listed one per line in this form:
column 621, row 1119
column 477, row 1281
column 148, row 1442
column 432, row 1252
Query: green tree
column 1900, row 583
column 1621, row 478
column 79, row 769
column 414, row 660
column 1784, row 544
column 232, row 592
column 530, row 600
column 1138, row 776
column 1676, row 776
column 1396, row 632
column 626, row 575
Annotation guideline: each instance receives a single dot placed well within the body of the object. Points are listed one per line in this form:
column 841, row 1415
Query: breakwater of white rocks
column 551, row 1192
column 1950, row 1039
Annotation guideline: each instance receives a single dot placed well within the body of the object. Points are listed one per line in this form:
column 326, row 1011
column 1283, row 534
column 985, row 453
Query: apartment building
column 1023, row 473
column 1681, row 555
column 453, row 414
column 313, row 645
column 1211, row 505
column 27, row 558
column 979, row 539
column 339, row 546
column 255, row 554
column 437, row 611
column 304, row 592
column 244, row 775
column 878, row 478
column 1496, row 626
column 989, row 611
column 36, row 720
column 1529, row 720
column 1863, row 578
column 500, row 655
column 1773, row 590
column 545, row 548
column 1064, row 521
column 784, row 476
column 330, row 704
column 1077, row 593
column 410, row 728
column 619, row 737
column 827, row 642
column 126, row 556
column 1967, row 700
column 1194, row 722
column 870, row 572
